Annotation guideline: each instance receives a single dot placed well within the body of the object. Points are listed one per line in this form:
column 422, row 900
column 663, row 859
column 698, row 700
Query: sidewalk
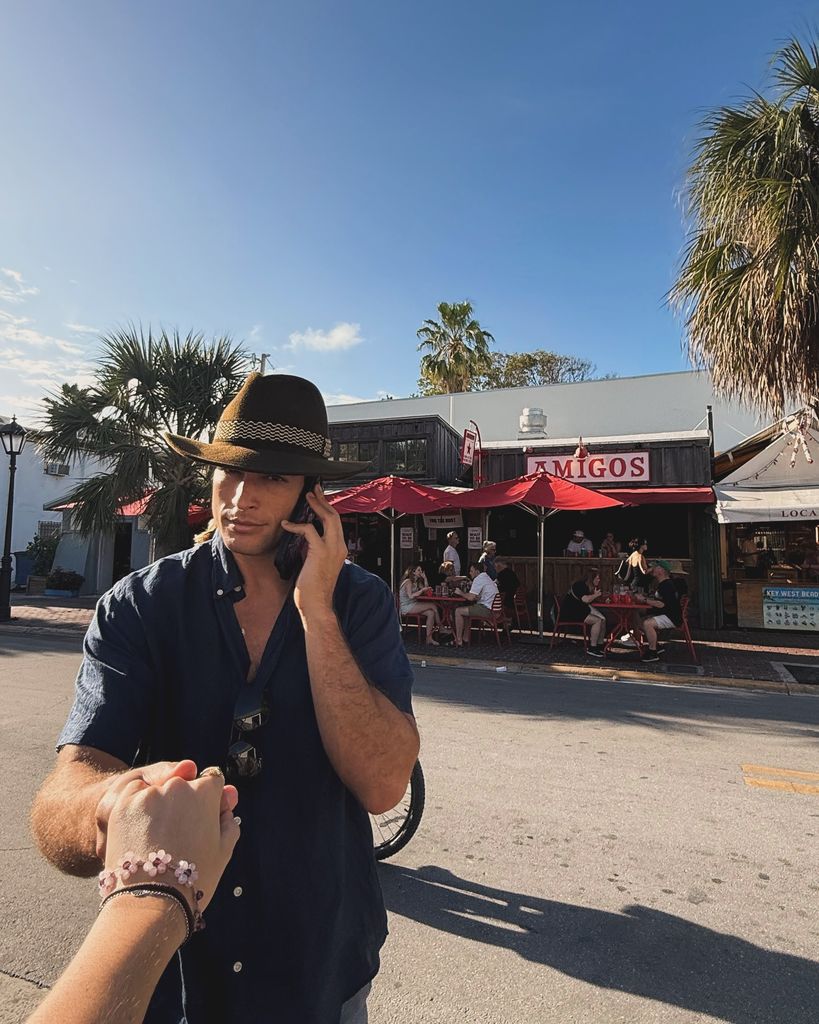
column 754, row 658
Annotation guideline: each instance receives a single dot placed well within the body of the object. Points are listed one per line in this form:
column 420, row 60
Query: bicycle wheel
column 394, row 829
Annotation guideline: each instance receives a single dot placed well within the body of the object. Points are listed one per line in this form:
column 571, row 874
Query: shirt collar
column 226, row 578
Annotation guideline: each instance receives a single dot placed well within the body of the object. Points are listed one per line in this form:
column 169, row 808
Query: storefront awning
column 662, row 495
column 765, row 505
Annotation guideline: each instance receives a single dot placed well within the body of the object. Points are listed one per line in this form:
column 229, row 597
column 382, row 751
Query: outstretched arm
column 70, row 813
column 115, row 971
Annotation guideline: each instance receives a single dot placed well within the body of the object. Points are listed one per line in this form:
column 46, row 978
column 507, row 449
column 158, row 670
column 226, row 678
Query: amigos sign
column 617, row 468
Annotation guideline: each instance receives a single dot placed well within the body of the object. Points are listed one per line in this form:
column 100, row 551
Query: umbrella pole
column 392, row 553
column 541, row 530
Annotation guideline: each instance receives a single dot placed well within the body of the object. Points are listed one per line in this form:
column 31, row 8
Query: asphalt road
column 591, row 851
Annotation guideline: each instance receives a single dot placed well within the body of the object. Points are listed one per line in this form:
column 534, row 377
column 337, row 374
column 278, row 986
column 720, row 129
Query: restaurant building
column 647, row 440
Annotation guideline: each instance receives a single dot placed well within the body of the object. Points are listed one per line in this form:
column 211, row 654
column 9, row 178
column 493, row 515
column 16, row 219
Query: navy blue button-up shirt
column 298, row 920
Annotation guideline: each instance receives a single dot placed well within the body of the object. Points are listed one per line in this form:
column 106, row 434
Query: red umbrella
column 391, row 492
column 541, row 489
column 392, row 497
column 536, row 492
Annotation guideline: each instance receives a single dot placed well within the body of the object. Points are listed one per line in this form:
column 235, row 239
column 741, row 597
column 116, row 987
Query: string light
column 795, row 434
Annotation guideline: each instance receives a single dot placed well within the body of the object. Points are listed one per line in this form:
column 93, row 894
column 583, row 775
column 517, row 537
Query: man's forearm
column 63, row 818
column 371, row 744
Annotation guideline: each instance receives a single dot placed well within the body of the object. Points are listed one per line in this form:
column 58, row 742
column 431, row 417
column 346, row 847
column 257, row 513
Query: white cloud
column 16, row 290
column 81, row 329
column 342, row 399
column 337, row 339
column 255, row 333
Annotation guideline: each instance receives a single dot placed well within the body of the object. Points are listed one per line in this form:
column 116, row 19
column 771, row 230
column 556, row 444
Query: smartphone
column 292, row 549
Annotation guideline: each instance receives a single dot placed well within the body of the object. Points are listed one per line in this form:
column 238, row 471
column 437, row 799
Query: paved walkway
column 727, row 654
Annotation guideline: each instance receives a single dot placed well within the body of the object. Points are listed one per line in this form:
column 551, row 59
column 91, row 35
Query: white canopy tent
column 779, row 484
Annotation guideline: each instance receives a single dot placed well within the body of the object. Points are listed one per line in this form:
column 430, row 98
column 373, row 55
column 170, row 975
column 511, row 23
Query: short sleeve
column 370, row 623
column 115, row 691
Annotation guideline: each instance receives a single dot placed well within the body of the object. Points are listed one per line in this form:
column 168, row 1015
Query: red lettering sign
column 609, row 467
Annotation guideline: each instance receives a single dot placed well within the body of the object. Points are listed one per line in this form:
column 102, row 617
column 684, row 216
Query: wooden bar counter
column 560, row 573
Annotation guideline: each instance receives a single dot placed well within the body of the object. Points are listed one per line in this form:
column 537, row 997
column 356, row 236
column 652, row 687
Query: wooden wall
column 443, row 446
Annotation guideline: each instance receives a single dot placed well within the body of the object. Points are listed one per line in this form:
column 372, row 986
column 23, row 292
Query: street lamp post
column 13, row 438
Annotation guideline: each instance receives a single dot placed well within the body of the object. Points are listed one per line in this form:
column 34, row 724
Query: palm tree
column 458, row 349
column 748, row 288
column 144, row 384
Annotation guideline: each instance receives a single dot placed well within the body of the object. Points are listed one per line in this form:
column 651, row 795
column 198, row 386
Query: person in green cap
column 666, row 601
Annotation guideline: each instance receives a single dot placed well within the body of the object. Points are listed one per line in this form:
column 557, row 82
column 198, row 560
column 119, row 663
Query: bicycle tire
column 394, row 829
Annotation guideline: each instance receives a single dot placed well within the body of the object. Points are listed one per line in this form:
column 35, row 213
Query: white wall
column 626, row 405
column 32, row 489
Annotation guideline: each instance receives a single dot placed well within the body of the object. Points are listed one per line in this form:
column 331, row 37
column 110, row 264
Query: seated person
column 507, row 582
column 610, row 548
column 580, row 545
column 480, row 596
column 576, row 607
column 413, row 585
column 666, row 601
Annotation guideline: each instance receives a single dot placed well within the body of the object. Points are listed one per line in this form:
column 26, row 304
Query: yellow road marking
column 790, row 787
column 787, row 773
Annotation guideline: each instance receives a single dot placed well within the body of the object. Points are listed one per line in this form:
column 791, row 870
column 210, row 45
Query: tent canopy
column 765, row 505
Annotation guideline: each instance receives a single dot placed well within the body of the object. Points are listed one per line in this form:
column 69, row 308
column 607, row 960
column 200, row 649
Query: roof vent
column 532, row 423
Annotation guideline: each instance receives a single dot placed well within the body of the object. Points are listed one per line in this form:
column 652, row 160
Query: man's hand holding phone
column 324, row 557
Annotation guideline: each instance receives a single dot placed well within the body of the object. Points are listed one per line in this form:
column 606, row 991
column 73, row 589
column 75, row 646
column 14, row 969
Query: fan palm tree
column 458, row 348
column 144, row 384
column 748, row 288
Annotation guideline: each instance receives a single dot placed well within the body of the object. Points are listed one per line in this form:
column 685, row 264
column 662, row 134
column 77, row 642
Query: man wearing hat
column 299, row 692
column 580, row 545
column 666, row 600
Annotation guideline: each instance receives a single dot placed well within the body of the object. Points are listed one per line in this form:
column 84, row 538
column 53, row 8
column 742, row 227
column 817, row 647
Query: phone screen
column 291, row 549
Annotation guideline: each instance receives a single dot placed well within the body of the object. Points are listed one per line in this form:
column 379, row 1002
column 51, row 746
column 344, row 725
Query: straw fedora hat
column 275, row 424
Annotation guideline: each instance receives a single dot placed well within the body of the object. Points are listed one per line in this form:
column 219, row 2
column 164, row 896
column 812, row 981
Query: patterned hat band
column 281, row 433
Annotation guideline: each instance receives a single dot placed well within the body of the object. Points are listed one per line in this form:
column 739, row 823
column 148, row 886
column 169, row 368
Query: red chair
column 521, row 610
column 496, row 619
column 560, row 630
column 405, row 617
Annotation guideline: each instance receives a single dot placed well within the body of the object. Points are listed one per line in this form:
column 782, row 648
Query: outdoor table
column 624, row 611
column 446, row 604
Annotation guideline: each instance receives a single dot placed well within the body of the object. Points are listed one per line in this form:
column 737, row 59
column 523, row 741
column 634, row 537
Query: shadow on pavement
column 684, row 709
column 642, row 950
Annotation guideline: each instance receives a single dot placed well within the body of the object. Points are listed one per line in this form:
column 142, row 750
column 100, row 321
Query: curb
column 69, row 631
column 615, row 675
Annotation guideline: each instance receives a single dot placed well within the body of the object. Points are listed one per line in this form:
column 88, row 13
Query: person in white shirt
column 481, row 594
column 580, row 545
column 450, row 552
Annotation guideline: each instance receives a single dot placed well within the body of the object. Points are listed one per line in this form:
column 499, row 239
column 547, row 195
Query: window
column 56, row 469
column 406, row 456
column 357, row 451
column 47, row 529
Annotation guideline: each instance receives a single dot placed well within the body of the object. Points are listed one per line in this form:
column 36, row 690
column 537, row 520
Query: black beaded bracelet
column 164, row 891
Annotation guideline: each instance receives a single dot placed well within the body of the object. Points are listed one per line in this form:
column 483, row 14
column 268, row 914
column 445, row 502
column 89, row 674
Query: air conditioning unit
column 56, row 469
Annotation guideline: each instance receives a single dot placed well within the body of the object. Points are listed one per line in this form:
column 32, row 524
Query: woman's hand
column 185, row 819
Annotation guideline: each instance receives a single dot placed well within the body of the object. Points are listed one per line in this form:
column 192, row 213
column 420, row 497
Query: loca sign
column 620, row 467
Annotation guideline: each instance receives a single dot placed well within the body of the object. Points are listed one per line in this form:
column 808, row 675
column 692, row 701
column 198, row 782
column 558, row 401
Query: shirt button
column 219, row 593
column 237, row 891
column 237, row 588
column 237, row 967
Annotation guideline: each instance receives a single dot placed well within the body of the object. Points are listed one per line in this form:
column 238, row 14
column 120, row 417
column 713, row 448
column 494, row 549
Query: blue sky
column 315, row 177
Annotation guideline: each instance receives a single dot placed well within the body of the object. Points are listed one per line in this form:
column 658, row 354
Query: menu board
column 790, row 608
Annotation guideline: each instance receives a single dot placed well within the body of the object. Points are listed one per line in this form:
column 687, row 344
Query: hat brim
column 221, row 453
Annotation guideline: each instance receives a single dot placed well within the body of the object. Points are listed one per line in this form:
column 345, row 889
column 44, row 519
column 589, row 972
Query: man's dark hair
column 475, row 565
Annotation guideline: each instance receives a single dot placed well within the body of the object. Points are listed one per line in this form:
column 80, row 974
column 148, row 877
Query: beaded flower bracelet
column 156, row 863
